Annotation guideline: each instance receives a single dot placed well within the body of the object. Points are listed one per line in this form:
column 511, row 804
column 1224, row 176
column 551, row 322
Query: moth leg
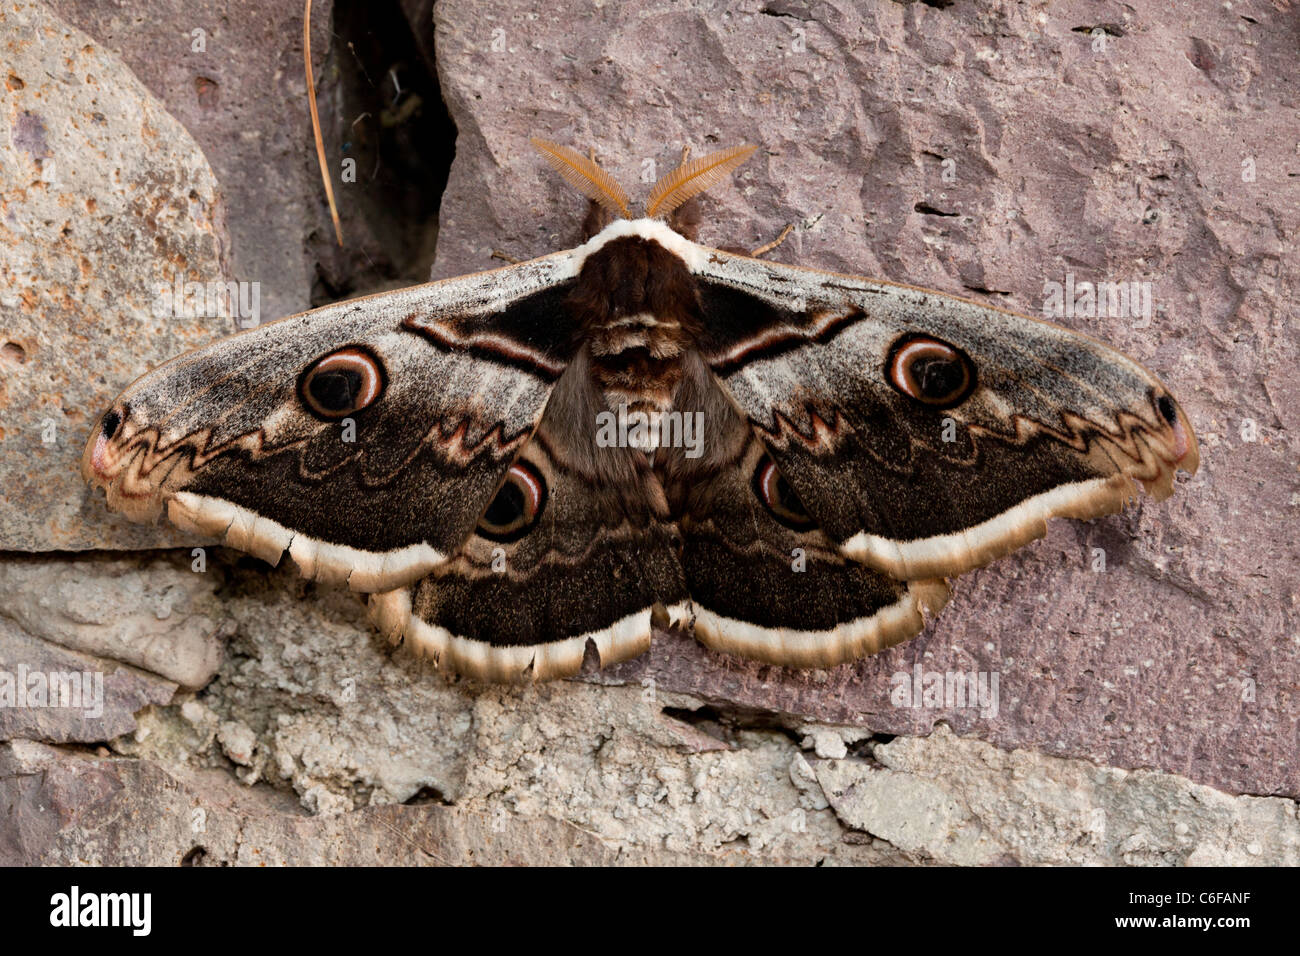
column 768, row 247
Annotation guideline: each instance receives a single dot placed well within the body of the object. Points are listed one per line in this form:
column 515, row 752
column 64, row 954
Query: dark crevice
column 725, row 724
column 706, row 719
column 926, row 209
column 983, row 291
column 790, row 10
column 427, row 795
column 865, row 748
column 389, row 118
column 696, row 716
column 99, row 749
column 1110, row 29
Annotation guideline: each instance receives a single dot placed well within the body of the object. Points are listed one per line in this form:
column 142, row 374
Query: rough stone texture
column 103, row 196
column 159, row 614
column 243, row 98
column 102, row 699
column 1111, row 161
column 546, row 792
column 965, row 802
column 313, row 734
column 72, row 808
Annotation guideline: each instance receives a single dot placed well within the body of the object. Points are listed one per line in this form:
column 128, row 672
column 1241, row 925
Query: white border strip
column 849, row 641
column 245, row 530
column 947, row 555
column 625, row 638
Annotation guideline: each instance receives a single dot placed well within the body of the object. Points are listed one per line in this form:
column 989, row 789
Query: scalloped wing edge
column 626, row 638
column 842, row 644
column 948, row 555
column 245, row 530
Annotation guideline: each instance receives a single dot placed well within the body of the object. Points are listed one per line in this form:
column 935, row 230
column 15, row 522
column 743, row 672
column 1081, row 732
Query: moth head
column 685, row 182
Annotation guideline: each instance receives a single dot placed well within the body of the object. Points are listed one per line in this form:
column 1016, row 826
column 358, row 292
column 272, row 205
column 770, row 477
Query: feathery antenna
column 691, row 179
column 585, row 176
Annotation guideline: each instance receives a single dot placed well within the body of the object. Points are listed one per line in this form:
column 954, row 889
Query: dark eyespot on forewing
column 517, row 506
column 930, row 371
column 778, row 497
column 342, row 383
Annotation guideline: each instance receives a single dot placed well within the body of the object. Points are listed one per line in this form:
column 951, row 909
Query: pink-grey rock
column 103, row 199
column 231, row 72
column 964, row 802
column 158, row 613
column 65, row 808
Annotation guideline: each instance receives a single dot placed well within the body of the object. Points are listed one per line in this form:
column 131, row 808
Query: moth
column 448, row 447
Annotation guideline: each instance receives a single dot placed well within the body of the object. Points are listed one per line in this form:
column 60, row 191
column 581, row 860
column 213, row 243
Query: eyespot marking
column 930, row 371
column 778, row 497
column 341, row 383
column 517, row 507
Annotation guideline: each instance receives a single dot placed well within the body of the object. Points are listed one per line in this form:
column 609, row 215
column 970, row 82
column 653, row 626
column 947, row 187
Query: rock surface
column 545, row 791
column 962, row 801
column 1146, row 664
column 51, row 694
column 158, row 614
column 310, row 740
column 231, row 72
column 103, row 198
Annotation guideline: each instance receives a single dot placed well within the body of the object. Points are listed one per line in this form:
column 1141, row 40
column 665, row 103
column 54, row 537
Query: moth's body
column 860, row 442
column 634, row 301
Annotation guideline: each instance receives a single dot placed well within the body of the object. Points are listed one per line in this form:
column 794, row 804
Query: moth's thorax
column 637, row 306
